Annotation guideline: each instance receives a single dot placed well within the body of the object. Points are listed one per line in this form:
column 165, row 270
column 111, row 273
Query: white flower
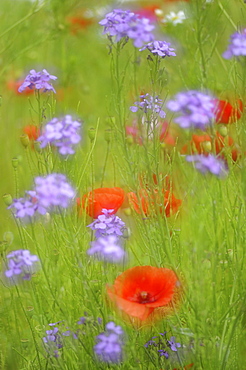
column 175, row 18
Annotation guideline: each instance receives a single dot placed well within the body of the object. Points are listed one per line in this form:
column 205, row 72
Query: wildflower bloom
column 54, row 340
column 159, row 48
column 237, row 45
column 209, row 163
column 102, row 198
column 21, row 264
column 163, row 346
column 150, row 202
column 147, row 11
column 32, row 132
column 62, row 133
column 109, row 347
column 174, row 18
column 107, row 248
column 107, row 224
column 26, row 208
column 14, row 86
column 140, row 290
column 38, row 81
column 53, row 191
column 195, row 109
column 226, row 113
column 149, row 103
column 202, row 144
column 125, row 24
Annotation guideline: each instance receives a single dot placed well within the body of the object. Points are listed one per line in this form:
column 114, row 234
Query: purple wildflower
column 150, row 342
column 26, row 208
column 163, row 353
column 149, row 103
column 62, row 133
column 196, row 109
column 53, row 341
column 38, row 81
column 125, row 24
column 159, row 48
column 109, row 344
column 173, row 345
column 209, row 163
column 21, row 264
column 107, row 224
column 237, row 46
column 53, row 191
column 108, row 249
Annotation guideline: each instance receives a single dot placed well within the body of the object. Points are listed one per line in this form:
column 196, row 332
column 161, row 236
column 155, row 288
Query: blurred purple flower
column 149, row 103
column 159, row 48
column 196, row 109
column 62, row 133
column 209, row 163
column 108, row 249
column 107, row 224
column 173, row 345
column 54, row 340
column 123, row 23
column 38, row 81
column 53, row 191
column 237, row 46
column 21, row 264
column 109, row 344
column 163, row 353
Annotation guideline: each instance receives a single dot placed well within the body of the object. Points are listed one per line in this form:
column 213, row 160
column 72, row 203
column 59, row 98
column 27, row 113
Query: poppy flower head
column 32, row 131
column 140, row 290
column 227, row 113
column 102, row 198
column 151, row 202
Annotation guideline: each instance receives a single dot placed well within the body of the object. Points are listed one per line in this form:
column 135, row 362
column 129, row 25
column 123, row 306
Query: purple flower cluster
column 21, row 264
column 149, row 103
column 209, row 163
column 50, row 192
column 54, row 340
column 237, row 46
column 62, row 133
column 109, row 344
column 38, row 81
column 125, row 24
column 196, row 109
column 107, row 224
column 107, row 248
column 163, row 345
column 160, row 48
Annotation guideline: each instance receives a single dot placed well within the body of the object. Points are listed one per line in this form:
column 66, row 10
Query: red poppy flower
column 140, row 290
column 150, row 202
column 32, row 132
column 79, row 22
column 202, row 144
column 226, row 113
column 148, row 11
column 96, row 200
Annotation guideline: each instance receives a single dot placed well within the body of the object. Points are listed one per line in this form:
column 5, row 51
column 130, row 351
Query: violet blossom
column 38, row 81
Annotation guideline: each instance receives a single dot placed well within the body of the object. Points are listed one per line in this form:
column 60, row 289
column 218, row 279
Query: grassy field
column 201, row 238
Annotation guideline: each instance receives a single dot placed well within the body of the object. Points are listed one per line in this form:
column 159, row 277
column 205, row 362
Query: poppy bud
column 24, row 140
column 108, row 134
column 92, row 133
column 7, row 199
column 37, row 146
column 207, row 146
column 129, row 140
column 223, row 130
column 8, row 237
column 127, row 211
column 15, row 162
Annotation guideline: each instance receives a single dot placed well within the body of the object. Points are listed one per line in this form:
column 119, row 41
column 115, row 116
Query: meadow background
column 204, row 242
